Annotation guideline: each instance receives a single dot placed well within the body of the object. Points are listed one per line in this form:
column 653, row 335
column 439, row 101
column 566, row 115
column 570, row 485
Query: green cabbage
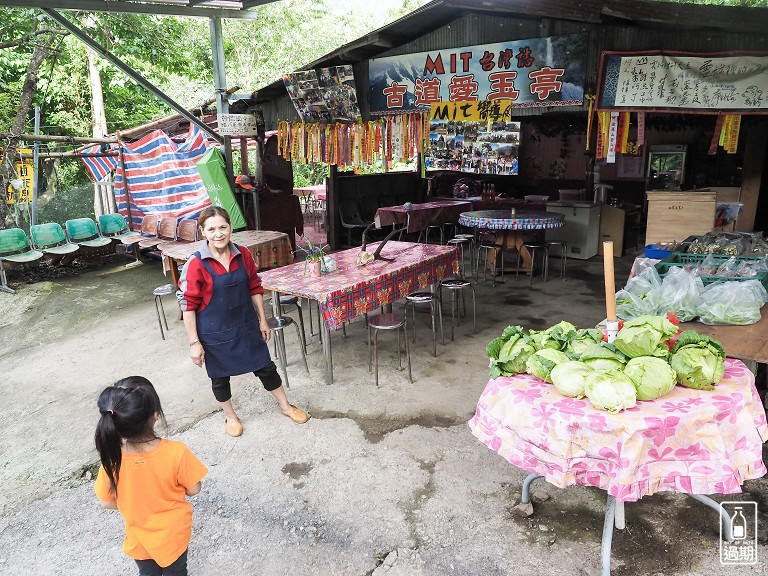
column 641, row 336
column 610, row 390
column 555, row 337
column 698, row 360
column 603, row 356
column 652, row 376
column 540, row 363
column 580, row 340
column 509, row 352
column 569, row 378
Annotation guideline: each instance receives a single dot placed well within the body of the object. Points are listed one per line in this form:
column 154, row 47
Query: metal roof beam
column 168, row 9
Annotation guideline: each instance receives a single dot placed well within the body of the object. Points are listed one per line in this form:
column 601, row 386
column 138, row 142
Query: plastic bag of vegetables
column 732, row 302
column 570, row 377
column 610, row 390
column 652, row 377
column 603, row 356
column 644, row 336
column 541, row 363
column 509, row 352
column 698, row 360
column 681, row 293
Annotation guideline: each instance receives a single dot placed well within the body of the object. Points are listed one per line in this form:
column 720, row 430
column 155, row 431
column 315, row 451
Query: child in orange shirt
column 146, row 477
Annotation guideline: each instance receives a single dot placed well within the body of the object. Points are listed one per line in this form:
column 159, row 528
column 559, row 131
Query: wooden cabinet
column 673, row 216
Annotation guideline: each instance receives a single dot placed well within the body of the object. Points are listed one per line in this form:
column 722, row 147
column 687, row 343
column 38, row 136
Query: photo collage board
column 475, row 147
column 325, row 95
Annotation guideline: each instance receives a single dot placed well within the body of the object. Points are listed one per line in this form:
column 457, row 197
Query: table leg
column 325, row 338
column 526, row 497
column 605, row 547
column 725, row 519
column 512, row 239
column 279, row 336
column 619, row 521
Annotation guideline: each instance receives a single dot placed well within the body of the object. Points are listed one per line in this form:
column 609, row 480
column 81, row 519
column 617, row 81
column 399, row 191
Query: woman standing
column 222, row 302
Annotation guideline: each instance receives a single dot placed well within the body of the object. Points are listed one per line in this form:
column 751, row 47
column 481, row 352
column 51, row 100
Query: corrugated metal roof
column 427, row 26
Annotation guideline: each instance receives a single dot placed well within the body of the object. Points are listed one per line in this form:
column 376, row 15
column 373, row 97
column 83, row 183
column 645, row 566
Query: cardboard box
column 673, row 216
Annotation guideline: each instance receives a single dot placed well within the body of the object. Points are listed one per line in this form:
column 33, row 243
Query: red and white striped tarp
column 162, row 176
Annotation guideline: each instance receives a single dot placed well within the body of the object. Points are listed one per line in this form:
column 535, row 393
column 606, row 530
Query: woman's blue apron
column 228, row 328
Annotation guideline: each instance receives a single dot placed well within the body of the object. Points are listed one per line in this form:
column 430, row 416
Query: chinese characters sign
column 477, row 111
column 535, row 72
column 323, row 96
column 684, row 82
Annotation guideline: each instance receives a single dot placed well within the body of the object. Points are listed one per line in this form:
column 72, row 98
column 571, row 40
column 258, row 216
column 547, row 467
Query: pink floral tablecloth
column 419, row 216
column 691, row 441
column 505, row 220
column 352, row 290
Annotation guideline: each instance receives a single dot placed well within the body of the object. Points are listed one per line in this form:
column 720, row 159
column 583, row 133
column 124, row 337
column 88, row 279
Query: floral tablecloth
column 352, row 290
column 505, row 220
column 691, row 441
column 420, row 216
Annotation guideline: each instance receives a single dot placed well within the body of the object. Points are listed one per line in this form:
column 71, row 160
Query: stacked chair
column 15, row 247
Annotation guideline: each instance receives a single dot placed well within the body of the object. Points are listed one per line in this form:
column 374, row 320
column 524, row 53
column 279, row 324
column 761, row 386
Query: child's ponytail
column 127, row 412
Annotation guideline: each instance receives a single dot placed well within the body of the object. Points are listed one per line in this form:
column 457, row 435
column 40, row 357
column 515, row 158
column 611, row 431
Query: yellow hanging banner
column 472, row 111
column 25, row 172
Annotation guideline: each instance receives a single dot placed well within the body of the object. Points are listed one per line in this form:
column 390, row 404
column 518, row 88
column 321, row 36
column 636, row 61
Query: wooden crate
column 673, row 216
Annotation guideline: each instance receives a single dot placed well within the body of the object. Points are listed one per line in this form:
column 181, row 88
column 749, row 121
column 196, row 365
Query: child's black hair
column 127, row 411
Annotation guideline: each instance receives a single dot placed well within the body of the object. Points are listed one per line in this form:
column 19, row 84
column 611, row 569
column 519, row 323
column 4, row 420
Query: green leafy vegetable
column 698, row 360
column 610, row 390
column 580, row 340
column 509, row 352
column 652, row 376
column 642, row 336
column 603, row 356
column 569, row 378
column 541, row 363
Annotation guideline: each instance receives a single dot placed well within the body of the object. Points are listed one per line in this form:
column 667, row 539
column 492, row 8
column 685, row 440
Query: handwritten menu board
column 680, row 82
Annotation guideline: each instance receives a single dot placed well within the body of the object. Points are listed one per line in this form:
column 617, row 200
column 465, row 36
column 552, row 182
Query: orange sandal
column 234, row 428
column 296, row 414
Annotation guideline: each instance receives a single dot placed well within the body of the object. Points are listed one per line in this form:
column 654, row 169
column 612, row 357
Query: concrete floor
column 380, row 481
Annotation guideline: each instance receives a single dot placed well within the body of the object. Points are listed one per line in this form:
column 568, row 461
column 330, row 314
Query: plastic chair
column 187, row 231
column 426, row 297
column 50, row 238
column 84, row 232
column 387, row 321
column 458, row 284
column 15, row 247
column 166, row 231
column 115, row 226
column 351, row 219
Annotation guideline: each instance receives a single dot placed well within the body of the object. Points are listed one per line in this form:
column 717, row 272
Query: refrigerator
column 581, row 231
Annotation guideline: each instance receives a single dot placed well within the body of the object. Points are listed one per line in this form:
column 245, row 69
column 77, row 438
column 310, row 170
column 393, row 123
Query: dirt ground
column 379, row 481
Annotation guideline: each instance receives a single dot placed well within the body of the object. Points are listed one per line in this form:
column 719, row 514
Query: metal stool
column 164, row 290
column 387, row 321
column 534, row 249
column 563, row 246
column 486, row 245
column 426, row 297
column 437, row 227
column 472, row 242
column 291, row 300
column 455, row 284
column 459, row 242
column 276, row 324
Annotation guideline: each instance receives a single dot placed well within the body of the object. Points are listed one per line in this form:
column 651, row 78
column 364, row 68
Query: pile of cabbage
column 644, row 362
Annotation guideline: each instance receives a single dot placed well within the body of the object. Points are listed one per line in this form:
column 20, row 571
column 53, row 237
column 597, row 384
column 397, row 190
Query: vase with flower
column 315, row 258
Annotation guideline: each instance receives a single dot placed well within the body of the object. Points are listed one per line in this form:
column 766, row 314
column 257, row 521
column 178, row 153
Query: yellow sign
column 472, row 111
column 24, row 172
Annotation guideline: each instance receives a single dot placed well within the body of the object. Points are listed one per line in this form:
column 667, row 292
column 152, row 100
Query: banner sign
column 535, row 72
column 684, row 82
column 479, row 111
